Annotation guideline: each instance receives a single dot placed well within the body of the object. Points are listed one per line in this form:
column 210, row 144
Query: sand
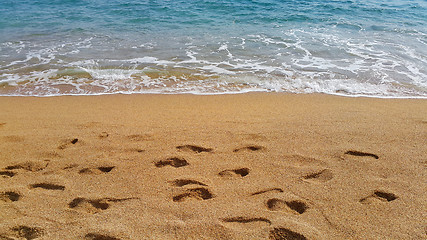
column 248, row 166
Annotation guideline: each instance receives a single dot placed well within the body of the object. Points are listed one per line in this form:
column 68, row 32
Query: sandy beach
column 246, row 166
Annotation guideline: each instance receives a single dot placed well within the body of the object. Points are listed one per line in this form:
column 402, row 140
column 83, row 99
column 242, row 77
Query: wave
column 353, row 48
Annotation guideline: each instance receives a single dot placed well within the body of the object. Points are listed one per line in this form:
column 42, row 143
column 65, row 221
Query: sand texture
column 249, row 166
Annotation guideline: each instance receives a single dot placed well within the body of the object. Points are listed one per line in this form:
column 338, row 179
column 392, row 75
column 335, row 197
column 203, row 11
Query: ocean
column 375, row 48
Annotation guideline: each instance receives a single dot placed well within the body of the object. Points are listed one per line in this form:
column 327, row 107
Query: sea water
column 372, row 48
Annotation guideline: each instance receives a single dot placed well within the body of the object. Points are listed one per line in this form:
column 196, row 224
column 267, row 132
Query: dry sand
column 249, row 166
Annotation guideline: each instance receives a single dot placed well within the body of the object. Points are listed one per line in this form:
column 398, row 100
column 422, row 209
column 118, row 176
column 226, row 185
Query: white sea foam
column 110, row 74
column 148, row 60
column 224, row 47
column 350, row 48
column 259, row 62
column 217, row 70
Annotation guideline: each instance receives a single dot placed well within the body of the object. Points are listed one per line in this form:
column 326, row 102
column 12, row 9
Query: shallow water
column 370, row 48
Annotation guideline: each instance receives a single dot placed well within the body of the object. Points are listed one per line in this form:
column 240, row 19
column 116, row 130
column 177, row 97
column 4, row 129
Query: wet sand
column 248, row 166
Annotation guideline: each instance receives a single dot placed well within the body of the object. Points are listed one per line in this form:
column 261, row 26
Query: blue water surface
column 371, row 48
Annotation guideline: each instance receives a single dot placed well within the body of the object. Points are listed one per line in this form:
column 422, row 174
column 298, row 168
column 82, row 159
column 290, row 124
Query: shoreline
column 225, row 93
column 238, row 166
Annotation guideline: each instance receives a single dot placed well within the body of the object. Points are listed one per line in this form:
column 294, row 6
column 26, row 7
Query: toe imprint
column 252, row 148
column 194, row 193
column 194, row 148
column 183, row 182
column 48, row 186
column 240, row 172
column 361, row 154
column 297, row 207
column 9, row 196
column 267, row 190
column 174, row 162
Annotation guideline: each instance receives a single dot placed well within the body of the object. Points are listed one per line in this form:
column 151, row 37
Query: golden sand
column 249, row 166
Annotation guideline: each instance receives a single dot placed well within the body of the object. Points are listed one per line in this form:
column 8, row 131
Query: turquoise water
column 354, row 48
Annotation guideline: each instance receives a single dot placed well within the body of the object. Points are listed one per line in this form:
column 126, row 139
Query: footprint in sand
column 103, row 135
column 278, row 190
column 98, row 170
column 379, row 196
column 96, row 236
column 23, row 232
column 250, row 148
column 48, row 186
column 94, row 205
column 28, row 166
column 285, row 234
column 7, row 174
column 361, row 154
column 295, row 206
column 67, row 143
column 9, row 196
column 193, row 193
column 194, row 148
column 184, row 182
column 234, row 173
column 173, row 161
column 320, row 176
